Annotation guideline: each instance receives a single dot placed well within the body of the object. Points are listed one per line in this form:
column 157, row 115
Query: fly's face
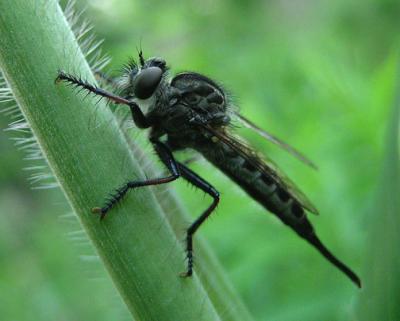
column 141, row 81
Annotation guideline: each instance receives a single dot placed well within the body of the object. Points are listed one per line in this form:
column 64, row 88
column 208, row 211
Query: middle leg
column 165, row 155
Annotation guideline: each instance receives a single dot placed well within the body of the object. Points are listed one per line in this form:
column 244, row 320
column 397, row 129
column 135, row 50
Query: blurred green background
column 321, row 76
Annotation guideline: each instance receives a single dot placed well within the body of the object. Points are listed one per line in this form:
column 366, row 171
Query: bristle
column 26, row 141
column 130, row 65
column 90, row 46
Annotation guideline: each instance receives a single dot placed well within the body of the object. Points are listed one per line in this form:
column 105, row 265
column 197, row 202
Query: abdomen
column 259, row 185
column 269, row 193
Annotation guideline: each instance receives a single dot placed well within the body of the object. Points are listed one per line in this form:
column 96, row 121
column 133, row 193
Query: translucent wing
column 264, row 165
column 208, row 99
column 275, row 140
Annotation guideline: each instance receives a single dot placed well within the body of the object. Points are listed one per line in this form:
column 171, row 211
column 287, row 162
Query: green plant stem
column 136, row 242
column 207, row 266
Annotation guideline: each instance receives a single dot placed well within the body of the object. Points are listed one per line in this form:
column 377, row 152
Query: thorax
column 177, row 113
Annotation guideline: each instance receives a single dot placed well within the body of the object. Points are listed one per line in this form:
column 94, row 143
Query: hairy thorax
column 181, row 107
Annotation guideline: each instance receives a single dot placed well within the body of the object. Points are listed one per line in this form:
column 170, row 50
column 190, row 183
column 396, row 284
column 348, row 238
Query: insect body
column 192, row 111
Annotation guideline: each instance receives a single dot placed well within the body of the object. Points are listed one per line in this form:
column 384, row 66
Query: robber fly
column 191, row 111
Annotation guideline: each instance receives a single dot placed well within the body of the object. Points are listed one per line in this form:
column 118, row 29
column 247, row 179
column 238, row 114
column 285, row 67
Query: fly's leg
column 138, row 117
column 166, row 157
column 199, row 182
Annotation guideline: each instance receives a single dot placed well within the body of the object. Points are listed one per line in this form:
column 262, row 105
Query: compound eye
column 147, row 82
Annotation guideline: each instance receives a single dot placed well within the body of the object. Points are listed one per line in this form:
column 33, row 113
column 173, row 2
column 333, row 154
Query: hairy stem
column 90, row 157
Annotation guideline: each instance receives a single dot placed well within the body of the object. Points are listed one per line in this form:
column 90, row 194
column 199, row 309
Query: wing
column 275, row 140
column 203, row 94
column 263, row 164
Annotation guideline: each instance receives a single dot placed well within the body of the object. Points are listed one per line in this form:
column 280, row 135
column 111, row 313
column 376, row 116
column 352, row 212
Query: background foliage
column 320, row 75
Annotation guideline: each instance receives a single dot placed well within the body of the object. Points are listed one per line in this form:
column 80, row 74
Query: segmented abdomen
column 260, row 186
column 269, row 192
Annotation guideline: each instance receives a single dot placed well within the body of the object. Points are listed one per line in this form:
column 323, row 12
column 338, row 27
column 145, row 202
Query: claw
column 97, row 210
column 59, row 77
column 186, row 274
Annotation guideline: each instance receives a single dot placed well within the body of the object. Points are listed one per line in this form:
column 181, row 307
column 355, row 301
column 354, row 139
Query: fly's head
column 141, row 80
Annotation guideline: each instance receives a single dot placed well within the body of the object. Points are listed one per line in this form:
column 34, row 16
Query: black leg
column 138, row 117
column 166, row 157
column 197, row 181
